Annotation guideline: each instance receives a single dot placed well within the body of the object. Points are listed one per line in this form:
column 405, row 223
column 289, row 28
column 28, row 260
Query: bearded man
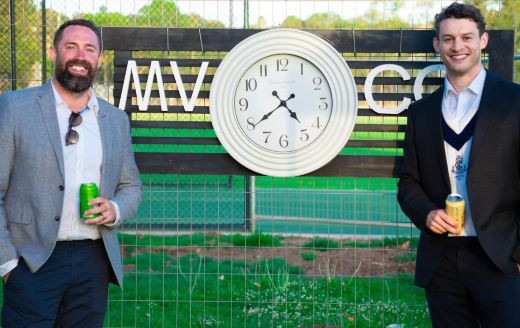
column 56, row 267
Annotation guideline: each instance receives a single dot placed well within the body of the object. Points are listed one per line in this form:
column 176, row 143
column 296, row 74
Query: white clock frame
column 343, row 110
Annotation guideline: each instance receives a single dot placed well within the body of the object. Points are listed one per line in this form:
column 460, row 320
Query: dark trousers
column 69, row 290
column 468, row 290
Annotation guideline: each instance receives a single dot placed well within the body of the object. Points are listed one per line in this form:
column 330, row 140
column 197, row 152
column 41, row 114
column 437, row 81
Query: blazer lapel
column 435, row 119
column 104, row 126
column 484, row 118
column 50, row 118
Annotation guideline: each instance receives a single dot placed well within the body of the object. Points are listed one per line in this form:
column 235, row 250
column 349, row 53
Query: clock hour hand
column 266, row 115
column 293, row 114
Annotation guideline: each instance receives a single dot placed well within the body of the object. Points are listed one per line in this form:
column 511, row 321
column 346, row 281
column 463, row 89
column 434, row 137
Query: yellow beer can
column 455, row 209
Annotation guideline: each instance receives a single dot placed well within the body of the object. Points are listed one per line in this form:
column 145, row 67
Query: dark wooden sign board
column 363, row 50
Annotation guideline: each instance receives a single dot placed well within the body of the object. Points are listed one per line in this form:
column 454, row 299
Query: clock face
column 282, row 103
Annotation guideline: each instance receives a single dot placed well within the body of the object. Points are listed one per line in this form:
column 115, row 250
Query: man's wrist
column 118, row 215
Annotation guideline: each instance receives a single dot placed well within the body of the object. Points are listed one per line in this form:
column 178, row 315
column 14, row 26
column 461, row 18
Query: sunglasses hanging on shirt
column 72, row 136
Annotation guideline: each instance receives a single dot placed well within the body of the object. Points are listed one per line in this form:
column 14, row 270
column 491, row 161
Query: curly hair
column 461, row 11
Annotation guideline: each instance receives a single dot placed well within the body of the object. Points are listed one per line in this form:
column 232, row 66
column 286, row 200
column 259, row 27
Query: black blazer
column 493, row 179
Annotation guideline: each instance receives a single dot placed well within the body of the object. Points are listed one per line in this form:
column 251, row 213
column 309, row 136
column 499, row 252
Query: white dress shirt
column 458, row 108
column 82, row 163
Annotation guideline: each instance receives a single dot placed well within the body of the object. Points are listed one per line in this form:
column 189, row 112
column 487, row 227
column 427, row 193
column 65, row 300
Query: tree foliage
column 166, row 13
column 503, row 16
column 373, row 18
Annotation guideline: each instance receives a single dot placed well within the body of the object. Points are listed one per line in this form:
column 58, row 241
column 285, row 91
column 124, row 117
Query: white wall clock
column 283, row 102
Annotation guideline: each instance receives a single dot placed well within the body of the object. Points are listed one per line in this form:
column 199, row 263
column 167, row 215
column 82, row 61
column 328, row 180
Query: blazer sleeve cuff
column 8, row 267
column 516, row 254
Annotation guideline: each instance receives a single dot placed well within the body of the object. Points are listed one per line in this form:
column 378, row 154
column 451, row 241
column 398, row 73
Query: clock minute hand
column 266, row 116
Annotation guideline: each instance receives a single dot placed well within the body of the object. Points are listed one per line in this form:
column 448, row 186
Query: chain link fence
column 27, row 26
column 292, row 274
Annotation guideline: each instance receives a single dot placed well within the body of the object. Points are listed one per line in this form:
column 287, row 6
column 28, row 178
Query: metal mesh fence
column 312, row 252
column 333, row 252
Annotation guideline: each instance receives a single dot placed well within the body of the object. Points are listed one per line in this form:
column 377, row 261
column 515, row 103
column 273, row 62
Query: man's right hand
column 439, row 222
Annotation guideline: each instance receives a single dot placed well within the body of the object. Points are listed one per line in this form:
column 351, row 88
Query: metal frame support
column 12, row 17
column 44, row 42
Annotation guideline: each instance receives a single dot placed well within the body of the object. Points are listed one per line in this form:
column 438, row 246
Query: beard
column 70, row 81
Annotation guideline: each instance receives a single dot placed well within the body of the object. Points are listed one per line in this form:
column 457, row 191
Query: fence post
column 246, row 14
column 249, row 203
column 230, row 13
column 13, row 43
column 44, row 43
column 501, row 53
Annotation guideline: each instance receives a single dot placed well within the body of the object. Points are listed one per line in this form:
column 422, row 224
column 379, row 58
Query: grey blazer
column 31, row 175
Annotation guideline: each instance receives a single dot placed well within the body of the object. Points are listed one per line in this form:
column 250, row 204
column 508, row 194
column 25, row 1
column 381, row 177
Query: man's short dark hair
column 76, row 22
column 461, row 11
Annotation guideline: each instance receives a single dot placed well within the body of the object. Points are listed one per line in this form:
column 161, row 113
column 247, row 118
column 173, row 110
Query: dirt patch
column 345, row 261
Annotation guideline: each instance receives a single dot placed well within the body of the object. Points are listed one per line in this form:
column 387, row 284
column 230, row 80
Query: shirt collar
column 92, row 102
column 476, row 86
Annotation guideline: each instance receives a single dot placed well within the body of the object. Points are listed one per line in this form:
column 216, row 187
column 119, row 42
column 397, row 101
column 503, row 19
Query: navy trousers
column 69, row 290
column 468, row 290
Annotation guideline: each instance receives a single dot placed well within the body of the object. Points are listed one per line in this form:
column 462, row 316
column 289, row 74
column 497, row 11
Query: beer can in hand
column 455, row 209
column 87, row 192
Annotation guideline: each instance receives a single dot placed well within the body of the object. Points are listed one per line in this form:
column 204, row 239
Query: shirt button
column 56, row 218
column 60, row 187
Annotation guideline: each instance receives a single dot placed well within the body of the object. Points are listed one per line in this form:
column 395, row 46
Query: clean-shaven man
column 56, row 267
column 465, row 139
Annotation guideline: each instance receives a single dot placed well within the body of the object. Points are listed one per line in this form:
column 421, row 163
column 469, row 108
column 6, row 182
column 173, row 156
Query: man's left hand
column 105, row 209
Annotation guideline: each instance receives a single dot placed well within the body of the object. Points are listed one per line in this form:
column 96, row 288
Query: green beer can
column 87, row 192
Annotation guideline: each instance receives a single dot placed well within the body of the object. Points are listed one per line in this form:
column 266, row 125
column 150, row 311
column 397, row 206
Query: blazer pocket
column 18, row 213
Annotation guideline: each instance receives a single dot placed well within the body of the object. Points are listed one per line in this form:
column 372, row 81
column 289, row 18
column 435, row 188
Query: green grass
column 308, row 256
column 256, row 240
column 190, row 290
column 405, row 257
column 197, row 239
column 132, row 241
column 405, row 242
column 322, row 244
column 196, row 291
